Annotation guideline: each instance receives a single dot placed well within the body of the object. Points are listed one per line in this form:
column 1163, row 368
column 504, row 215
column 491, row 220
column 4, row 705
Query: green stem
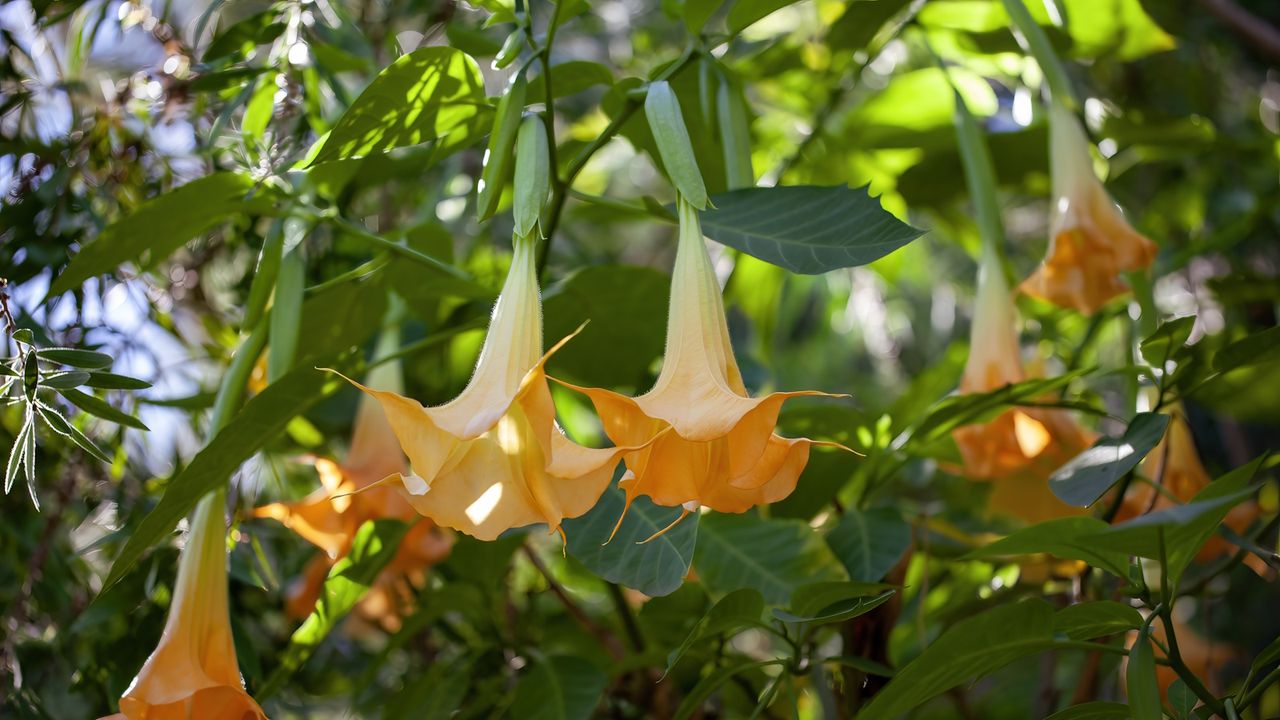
column 1175, row 655
column 355, row 230
column 627, row 617
column 1254, row 693
column 1034, row 40
column 231, row 391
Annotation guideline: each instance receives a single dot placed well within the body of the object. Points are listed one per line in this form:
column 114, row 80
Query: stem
column 1252, row 696
column 1034, row 40
column 355, row 230
column 1174, row 654
column 628, row 618
column 231, row 391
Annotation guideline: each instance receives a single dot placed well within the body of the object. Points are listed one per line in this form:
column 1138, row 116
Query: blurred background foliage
column 105, row 105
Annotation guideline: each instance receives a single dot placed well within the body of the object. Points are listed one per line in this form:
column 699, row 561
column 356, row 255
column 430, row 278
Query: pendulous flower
column 493, row 458
column 1019, row 449
column 711, row 445
column 1090, row 242
column 329, row 517
column 193, row 674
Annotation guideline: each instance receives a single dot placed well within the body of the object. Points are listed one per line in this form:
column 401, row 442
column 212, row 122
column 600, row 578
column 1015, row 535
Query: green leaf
column 958, row 410
column 533, row 174
column 244, row 36
column 1089, row 475
column 1066, row 538
column 861, row 22
column 560, row 688
column 63, row 380
column 112, row 381
column 870, row 542
column 735, row 133
column 97, row 406
column 970, row 649
column 1183, row 528
column 428, row 94
column 60, row 425
column 284, row 318
column 375, row 544
column 696, row 13
column 1142, row 687
column 655, row 568
column 617, row 302
column 502, row 139
column 707, row 686
column 736, row 610
column 570, row 78
column 162, row 225
column 831, row 602
column 86, row 359
column 1098, row 710
column 261, row 419
column 1254, row 349
column 1088, row 620
column 1181, row 699
column 666, row 122
column 773, row 556
column 1167, row 340
column 747, row 12
column 806, row 228
column 870, row 667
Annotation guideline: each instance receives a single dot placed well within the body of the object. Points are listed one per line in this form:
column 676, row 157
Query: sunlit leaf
column 655, row 568
column 1089, row 475
column 773, row 556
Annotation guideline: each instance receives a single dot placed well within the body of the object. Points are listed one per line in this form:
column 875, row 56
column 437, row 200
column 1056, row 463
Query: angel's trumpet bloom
column 1090, row 241
column 1019, row 449
column 193, row 675
column 330, row 516
column 493, row 458
column 721, row 451
column 1175, row 465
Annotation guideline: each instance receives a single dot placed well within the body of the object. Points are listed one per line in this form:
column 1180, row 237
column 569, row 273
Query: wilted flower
column 1175, row 465
column 493, row 458
column 1090, row 242
column 1018, row 450
column 330, row 516
column 193, row 674
column 721, row 451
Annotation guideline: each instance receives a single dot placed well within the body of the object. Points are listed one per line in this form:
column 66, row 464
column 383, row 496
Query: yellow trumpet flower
column 1021, row 447
column 193, row 674
column 721, row 450
column 493, row 458
column 329, row 517
column 1090, row 241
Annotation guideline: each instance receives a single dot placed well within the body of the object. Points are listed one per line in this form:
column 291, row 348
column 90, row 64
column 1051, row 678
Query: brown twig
column 1254, row 30
column 606, row 638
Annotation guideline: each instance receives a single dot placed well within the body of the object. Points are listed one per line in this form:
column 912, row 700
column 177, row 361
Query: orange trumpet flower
column 1020, row 448
column 330, row 516
column 493, row 458
column 1090, row 241
column 721, row 451
column 193, row 674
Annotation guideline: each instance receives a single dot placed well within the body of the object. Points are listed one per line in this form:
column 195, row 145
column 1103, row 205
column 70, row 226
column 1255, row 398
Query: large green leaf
column 624, row 308
column 736, row 610
column 1087, row 620
column 869, row 543
column 1089, row 475
column 375, row 544
column 1098, row 710
column 1260, row 347
column 1141, row 684
column 773, row 556
column 746, row 12
column 559, row 688
column 861, row 21
column 655, row 568
column 429, row 94
column 1064, row 538
column 806, row 228
column 261, row 419
column 970, row 649
column 162, row 225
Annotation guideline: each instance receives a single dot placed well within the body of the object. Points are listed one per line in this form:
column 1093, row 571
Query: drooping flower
column 1090, row 242
column 712, row 444
column 1019, row 449
column 1175, row 465
column 330, row 516
column 493, row 458
column 193, row 674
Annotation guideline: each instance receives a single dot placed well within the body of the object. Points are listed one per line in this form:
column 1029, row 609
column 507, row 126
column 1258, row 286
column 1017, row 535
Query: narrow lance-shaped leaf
column 286, row 312
column 666, row 122
column 1089, row 475
column 85, row 359
column 264, row 276
column 1140, row 679
column 96, row 406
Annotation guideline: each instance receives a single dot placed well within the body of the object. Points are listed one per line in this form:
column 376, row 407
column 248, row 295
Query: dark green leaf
column 425, row 95
column 97, row 406
column 1098, row 710
column 736, row 610
column 869, row 543
column 561, row 688
column 830, row 602
column 957, row 410
column 747, row 12
column 1141, row 684
column 375, row 544
column 773, row 556
column 698, row 12
column 1089, row 475
column 284, row 319
column 806, row 228
column 1254, row 349
column 570, row 78
column 1165, row 342
column 1065, row 538
column 870, row 667
column 261, row 419
column 861, row 21
column 972, row 648
column 655, row 568
column 624, row 308
column 86, row 359
column 63, row 380
column 707, row 686
column 60, row 425
column 1181, row 699
column 1088, row 620
column 112, row 381
column 244, row 36
column 162, row 225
